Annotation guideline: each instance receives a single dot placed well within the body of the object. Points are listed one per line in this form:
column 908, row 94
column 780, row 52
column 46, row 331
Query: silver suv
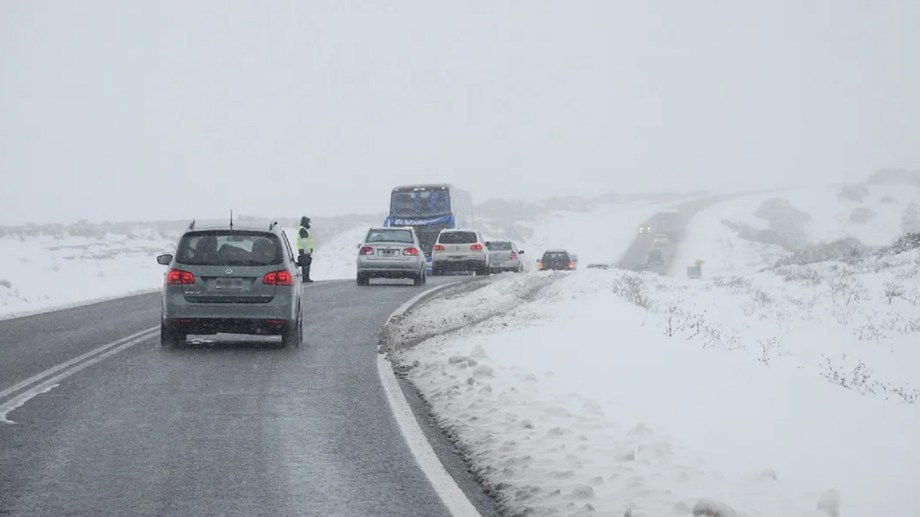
column 460, row 250
column 232, row 279
column 391, row 253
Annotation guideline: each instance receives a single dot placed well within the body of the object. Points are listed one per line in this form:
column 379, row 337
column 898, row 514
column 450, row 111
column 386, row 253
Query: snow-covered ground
column 604, row 392
column 47, row 270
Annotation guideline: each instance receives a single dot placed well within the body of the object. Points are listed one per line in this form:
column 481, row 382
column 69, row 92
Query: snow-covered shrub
column 862, row 215
column 6, row 283
column 910, row 221
column 631, row 288
column 893, row 290
column 895, row 177
column 767, row 236
column 860, row 378
column 847, row 249
column 853, row 193
column 905, row 243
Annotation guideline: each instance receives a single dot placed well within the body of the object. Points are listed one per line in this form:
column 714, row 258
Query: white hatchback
column 460, row 251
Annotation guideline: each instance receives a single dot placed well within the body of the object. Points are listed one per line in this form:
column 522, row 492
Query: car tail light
column 179, row 277
column 476, row 247
column 367, row 250
column 514, row 255
column 540, row 266
column 278, row 278
column 275, row 322
column 571, row 265
column 439, row 247
column 411, row 251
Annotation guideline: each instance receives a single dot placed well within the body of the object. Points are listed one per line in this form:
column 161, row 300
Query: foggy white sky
column 172, row 109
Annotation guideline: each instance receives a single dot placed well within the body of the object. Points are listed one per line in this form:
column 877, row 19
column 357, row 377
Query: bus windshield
column 419, row 203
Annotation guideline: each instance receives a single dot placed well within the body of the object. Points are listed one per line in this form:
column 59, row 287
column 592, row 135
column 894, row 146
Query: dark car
column 655, row 257
column 556, row 260
column 228, row 279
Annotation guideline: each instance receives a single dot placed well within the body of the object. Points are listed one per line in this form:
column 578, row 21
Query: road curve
column 232, row 427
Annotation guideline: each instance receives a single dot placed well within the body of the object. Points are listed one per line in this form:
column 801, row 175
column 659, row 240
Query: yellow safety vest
column 301, row 245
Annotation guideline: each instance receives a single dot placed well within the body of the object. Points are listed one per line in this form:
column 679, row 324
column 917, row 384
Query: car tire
column 170, row 337
column 292, row 335
column 362, row 279
column 435, row 271
column 418, row 279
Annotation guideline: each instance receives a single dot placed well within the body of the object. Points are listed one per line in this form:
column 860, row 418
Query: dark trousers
column 306, row 260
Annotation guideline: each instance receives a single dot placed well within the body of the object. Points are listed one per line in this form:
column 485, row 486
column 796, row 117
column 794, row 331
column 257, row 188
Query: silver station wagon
column 232, row 279
column 391, row 253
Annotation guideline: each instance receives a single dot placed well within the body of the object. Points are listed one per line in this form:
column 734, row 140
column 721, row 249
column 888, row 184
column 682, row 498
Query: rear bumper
column 458, row 265
column 395, row 266
column 506, row 265
column 283, row 306
column 228, row 325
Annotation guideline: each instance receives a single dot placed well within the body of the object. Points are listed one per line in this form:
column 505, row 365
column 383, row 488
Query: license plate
column 457, row 257
column 229, row 283
column 388, row 253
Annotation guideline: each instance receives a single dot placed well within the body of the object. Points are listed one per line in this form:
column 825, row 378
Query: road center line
column 67, row 369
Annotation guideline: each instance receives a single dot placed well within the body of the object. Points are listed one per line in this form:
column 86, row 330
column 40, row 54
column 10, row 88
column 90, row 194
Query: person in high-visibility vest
column 305, row 247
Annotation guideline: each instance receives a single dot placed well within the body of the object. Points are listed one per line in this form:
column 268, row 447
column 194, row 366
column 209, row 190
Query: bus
column 429, row 209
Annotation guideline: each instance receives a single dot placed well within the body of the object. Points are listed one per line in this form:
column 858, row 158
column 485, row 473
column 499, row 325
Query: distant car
column 505, row 256
column 598, row 265
column 661, row 240
column 391, row 253
column 655, row 257
column 556, row 260
column 645, row 229
column 460, row 251
column 232, row 279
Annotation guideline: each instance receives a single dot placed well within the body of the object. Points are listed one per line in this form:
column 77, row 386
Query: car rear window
column 499, row 246
column 457, row 238
column 555, row 255
column 229, row 248
column 389, row 236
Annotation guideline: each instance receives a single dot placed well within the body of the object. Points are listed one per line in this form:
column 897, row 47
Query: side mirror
column 358, row 246
column 520, row 252
column 165, row 259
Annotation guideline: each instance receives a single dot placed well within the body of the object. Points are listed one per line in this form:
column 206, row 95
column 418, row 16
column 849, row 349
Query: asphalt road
column 636, row 256
column 227, row 427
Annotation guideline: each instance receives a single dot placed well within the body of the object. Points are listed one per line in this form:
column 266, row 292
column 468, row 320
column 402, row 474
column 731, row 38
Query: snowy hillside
column 750, row 233
column 787, row 393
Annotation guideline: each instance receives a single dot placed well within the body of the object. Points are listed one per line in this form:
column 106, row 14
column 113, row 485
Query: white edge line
column 50, row 384
column 443, row 483
column 35, row 378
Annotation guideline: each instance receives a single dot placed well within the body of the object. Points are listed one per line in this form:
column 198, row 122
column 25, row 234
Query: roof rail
column 191, row 225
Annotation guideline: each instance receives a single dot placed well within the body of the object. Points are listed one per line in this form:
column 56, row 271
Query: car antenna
column 192, row 225
column 231, row 218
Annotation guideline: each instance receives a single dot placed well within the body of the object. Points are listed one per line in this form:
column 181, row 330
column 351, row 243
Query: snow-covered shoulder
column 789, row 392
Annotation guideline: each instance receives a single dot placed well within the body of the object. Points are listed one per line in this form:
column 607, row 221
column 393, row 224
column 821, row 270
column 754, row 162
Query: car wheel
column 418, row 279
column 362, row 279
column 435, row 271
column 170, row 337
column 292, row 335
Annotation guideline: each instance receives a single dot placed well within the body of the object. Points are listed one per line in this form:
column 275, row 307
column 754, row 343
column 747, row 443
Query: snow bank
column 615, row 393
